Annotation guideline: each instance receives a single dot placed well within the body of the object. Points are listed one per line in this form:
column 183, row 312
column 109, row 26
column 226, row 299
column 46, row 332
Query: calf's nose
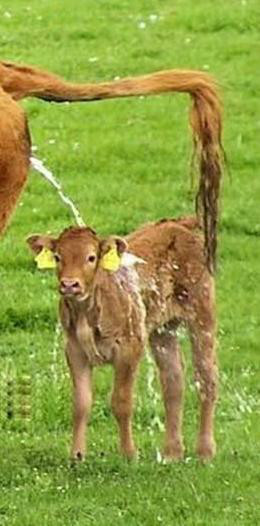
column 70, row 286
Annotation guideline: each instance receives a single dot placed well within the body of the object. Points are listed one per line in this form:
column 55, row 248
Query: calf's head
column 78, row 253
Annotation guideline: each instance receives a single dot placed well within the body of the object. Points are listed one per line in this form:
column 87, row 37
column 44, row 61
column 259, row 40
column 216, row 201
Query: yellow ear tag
column 111, row 260
column 45, row 259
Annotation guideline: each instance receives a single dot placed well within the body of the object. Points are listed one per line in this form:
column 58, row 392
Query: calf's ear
column 37, row 242
column 113, row 242
column 111, row 251
column 121, row 245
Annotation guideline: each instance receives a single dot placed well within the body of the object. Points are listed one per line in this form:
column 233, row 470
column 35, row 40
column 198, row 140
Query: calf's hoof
column 173, row 452
column 130, row 453
column 77, row 456
column 206, row 449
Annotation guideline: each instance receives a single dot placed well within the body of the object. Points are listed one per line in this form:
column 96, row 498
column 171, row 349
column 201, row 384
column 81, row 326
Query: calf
column 110, row 315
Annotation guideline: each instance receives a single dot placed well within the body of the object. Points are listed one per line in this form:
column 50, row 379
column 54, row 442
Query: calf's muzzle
column 70, row 287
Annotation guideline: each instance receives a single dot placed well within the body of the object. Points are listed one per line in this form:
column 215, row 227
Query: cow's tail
column 205, row 116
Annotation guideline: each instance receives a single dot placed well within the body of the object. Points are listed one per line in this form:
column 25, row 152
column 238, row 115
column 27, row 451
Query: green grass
column 126, row 162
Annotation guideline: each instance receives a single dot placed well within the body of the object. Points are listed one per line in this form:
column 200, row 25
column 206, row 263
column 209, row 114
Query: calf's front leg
column 82, row 398
column 122, row 404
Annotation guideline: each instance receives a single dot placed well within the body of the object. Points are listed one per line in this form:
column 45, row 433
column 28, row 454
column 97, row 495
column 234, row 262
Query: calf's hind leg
column 202, row 333
column 168, row 358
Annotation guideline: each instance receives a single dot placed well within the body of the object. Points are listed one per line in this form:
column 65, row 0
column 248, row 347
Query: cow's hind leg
column 168, row 358
column 14, row 156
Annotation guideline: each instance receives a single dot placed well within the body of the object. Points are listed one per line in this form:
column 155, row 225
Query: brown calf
column 109, row 317
column 18, row 81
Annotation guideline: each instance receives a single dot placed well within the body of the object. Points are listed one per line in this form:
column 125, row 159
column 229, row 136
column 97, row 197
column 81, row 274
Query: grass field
column 126, row 162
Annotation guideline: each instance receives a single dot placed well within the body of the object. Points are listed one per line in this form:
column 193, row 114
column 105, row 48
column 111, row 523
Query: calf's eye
column 57, row 257
column 91, row 259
